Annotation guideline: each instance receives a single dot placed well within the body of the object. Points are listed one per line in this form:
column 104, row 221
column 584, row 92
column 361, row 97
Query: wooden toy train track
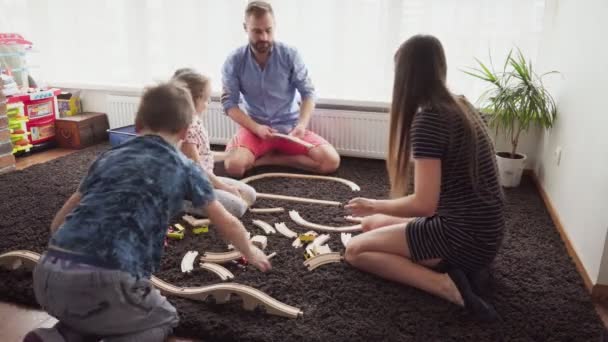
column 252, row 298
column 295, row 216
column 353, row 186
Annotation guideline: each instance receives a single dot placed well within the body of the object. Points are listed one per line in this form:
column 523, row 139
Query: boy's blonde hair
column 167, row 107
column 197, row 83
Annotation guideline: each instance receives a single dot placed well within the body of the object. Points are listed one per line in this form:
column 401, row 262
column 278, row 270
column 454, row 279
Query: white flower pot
column 510, row 169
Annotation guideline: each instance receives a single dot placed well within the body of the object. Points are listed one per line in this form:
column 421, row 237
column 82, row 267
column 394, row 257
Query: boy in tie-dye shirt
column 108, row 237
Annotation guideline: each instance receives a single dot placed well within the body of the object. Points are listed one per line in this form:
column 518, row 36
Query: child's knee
column 237, row 207
column 249, row 194
column 236, row 166
column 352, row 251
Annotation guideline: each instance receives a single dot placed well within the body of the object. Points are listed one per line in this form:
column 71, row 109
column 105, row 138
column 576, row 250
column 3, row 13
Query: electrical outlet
column 557, row 155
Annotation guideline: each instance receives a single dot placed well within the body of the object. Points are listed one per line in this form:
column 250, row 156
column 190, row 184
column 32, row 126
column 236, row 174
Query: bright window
column 347, row 44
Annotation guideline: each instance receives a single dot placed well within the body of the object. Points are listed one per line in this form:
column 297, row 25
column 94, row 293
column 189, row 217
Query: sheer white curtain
column 347, row 44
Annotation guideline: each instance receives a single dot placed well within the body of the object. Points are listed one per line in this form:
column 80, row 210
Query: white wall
column 574, row 42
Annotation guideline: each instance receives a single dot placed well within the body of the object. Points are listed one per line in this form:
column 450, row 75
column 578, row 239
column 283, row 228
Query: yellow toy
column 175, row 233
column 199, row 230
column 306, row 237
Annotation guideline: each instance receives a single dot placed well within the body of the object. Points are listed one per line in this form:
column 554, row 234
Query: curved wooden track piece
column 220, row 258
column 295, row 216
column 266, row 210
column 322, row 259
column 282, row 228
column 293, row 139
column 251, row 297
column 187, row 264
column 296, row 199
column 353, row 186
column 20, row 258
column 220, row 270
column 266, row 227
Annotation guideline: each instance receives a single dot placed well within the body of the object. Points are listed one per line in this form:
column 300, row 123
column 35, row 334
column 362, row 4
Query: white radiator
column 352, row 133
column 121, row 110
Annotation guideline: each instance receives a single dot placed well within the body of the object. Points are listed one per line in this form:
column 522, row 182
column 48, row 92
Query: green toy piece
column 199, row 230
column 306, row 238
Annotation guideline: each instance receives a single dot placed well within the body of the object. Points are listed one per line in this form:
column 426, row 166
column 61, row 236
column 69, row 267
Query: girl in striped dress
column 455, row 214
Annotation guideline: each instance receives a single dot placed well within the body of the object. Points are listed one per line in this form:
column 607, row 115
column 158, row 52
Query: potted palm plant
column 515, row 101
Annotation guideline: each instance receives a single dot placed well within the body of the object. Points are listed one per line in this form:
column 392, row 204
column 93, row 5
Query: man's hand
column 361, row 206
column 298, row 131
column 264, row 132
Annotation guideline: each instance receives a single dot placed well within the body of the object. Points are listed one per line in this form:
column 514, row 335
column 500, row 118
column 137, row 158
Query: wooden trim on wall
column 562, row 233
column 600, row 292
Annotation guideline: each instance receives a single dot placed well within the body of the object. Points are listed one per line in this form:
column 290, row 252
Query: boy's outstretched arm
column 232, row 230
column 68, row 206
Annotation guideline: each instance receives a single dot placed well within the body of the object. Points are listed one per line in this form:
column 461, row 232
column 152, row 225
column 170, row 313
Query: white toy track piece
column 322, row 259
column 266, row 227
column 295, row 216
column 188, row 261
column 293, row 139
column 353, row 186
column 297, row 243
column 324, row 249
column 345, row 238
column 317, row 242
column 261, row 195
column 353, row 219
column 221, row 271
column 266, row 210
column 282, row 228
column 251, row 297
column 194, row 222
column 260, row 241
column 220, row 258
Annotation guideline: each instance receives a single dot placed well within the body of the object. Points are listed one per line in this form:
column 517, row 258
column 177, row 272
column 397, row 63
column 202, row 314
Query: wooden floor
column 41, row 157
column 15, row 322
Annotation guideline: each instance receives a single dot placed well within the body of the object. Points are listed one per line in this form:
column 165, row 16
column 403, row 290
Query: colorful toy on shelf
column 40, row 110
column 17, row 125
column 69, row 104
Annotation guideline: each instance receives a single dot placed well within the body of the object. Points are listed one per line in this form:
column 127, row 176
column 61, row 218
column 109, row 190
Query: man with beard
column 277, row 97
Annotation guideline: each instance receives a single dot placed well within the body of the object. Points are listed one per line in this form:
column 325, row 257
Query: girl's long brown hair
column 420, row 84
